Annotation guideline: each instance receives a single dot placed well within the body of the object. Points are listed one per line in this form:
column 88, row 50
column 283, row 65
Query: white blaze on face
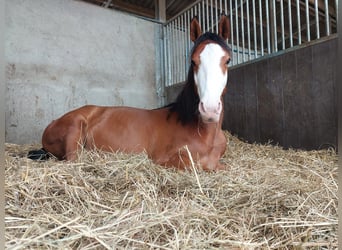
column 211, row 78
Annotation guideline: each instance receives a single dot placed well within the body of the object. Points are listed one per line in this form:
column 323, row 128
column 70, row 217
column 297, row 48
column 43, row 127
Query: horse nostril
column 218, row 107
column 202, row 109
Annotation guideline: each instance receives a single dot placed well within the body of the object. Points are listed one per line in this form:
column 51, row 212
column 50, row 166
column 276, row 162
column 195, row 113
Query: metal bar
column 307, row 13
column 203, row 11
column 166, row 52
column 255, row 31
column 290, row 23
column 226, row 8
column 231, row 27
column 282, row 24
column 327, row 23
column 298, row 23
column 177, row 50
column 237, row 32
column 242, row 32
column 221, row 8
column 336, row 11
column 268, row 28
column 207, row 19
column 166, row 55
column 190, row 16
column 275, row 33
column 216, row 19
column 170, row 54
column 248, row 31
column 183, row 47
column 212, row 16
column 173, row 50
column 187, row 47
column 261, row 29
column 273, row 27
column 317, row 20
column 197, row 10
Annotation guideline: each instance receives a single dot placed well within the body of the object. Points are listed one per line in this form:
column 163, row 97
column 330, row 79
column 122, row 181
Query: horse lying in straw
column 183, row 132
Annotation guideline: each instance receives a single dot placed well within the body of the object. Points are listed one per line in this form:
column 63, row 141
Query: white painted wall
column 62, row 54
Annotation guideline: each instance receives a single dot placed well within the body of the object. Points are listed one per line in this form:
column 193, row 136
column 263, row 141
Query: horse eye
column 228, row 61
column 193, row 63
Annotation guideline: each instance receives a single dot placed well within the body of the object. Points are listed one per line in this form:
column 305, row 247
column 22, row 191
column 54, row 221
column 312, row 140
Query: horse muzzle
column 210, row 113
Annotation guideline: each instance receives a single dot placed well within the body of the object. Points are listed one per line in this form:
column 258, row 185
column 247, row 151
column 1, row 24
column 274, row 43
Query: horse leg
column 64, row 139
column 72, row 145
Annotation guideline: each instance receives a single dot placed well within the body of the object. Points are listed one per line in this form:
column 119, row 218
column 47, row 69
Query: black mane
column 186, row 104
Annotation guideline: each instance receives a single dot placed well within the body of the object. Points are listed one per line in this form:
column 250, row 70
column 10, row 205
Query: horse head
column 209, row 61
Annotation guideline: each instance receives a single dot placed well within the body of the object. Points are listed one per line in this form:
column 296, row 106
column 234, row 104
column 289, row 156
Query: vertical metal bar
column 268, row 28
column 327, row 17
column 255, row 31
column 178, row 50
column 183, row 50
column 185, row 35
column 166, row 48
column 226, row 8
column 173, row 53
column 169, row 56
column 248, row 31
column 336, row 11
column 290, row 23
column 274, row 27
column 298, row 23
column 204, row 16
column 190, row 16
column 307, row 20
column 192, row 12
column 185, row 43
column 237, row 32
column 169, row 53
column 221, row 8
column 261, row 29
column 242, row 32
column 282, row 23
column 317, row 20
column 216, row 15
column 212, row 16
column 231, row 27
column 208, row 25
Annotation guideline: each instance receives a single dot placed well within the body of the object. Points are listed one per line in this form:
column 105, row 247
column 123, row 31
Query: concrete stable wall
column 63, row 54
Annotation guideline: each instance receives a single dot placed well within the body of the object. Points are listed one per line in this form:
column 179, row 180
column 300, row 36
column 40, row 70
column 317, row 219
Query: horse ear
column 195, row 29
column 223, row 28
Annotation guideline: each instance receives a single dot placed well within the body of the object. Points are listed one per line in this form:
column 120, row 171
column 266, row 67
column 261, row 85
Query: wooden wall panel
column 289, row 99
column 251, row 129
column 295, row 98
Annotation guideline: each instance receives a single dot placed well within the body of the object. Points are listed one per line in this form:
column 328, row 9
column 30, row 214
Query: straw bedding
column 268, row 198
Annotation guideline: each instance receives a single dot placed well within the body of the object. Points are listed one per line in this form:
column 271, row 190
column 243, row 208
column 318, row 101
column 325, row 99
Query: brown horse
column 186, row 131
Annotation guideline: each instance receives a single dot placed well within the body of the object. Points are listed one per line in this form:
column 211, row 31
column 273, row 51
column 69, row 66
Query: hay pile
column 268, row 198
